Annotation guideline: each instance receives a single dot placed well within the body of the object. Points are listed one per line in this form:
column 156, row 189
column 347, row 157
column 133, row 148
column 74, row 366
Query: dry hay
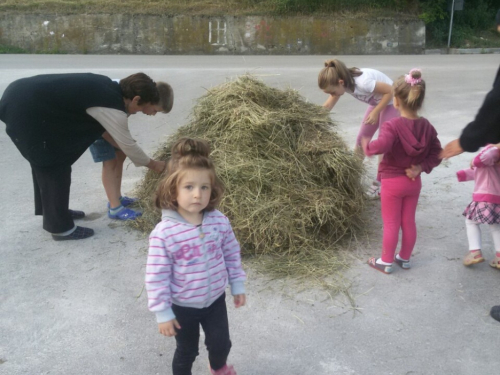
column 293, row 188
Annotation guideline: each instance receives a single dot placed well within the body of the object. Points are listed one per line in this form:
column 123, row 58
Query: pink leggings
column 399, row 198
column 368, row 130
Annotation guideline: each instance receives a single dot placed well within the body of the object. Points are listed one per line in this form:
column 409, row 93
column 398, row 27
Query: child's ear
column 136, row 99
column 341, row 82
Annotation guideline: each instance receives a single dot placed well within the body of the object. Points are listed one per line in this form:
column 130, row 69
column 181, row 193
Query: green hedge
column 477, row 16
column 311, row 6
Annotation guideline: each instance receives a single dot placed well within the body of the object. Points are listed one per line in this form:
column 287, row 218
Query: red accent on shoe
column 387, row 269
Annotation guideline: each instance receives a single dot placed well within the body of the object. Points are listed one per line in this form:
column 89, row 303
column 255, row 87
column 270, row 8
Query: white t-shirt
column 365, row 84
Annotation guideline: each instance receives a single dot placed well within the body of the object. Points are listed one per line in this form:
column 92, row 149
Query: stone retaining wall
column 157, row 35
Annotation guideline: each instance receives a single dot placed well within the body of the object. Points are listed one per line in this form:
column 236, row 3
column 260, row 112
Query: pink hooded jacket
column 486, row 174
column 405, row 142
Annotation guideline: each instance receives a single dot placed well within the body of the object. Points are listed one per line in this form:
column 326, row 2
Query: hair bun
column 330, row 64
column 189, row 146
column 415, row 73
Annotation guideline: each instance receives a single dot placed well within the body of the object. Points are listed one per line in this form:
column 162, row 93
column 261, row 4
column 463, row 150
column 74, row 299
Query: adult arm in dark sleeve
column 483, row 130
column 486, row 126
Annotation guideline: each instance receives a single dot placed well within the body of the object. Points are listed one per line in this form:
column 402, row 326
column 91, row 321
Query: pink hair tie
column 413, row 81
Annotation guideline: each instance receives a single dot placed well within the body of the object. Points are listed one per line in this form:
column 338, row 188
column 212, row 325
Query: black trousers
column 51, row 186
column 214, row 322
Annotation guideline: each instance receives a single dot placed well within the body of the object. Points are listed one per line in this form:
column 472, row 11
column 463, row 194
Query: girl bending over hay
column 367, row 85
column 193, row 254
column 410, row 146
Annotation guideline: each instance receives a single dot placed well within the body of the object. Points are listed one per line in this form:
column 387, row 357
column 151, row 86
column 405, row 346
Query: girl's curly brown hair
column 188, row 154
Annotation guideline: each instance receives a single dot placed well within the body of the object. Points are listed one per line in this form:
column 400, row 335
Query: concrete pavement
column 80, row 308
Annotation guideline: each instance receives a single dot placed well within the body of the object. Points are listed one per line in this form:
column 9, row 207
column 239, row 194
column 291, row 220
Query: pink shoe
column 473, row 257
column 226, row 370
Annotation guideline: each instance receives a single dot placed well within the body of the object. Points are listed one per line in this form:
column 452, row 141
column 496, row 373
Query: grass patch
column 341, row 8
column 11, row 49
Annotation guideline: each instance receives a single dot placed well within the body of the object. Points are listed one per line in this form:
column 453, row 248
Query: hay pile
column 293, row 188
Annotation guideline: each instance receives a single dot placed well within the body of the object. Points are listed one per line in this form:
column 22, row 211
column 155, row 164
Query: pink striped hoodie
column 486, row 174
column 191, row 265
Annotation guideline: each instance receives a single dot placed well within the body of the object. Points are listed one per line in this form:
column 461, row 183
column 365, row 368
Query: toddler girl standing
column 410, row 145
column 367, row 85
column 193, row 254
column 485, row 205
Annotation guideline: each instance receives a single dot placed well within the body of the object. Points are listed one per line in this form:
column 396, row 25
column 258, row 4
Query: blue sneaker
column 126, row 201
column 125, row 214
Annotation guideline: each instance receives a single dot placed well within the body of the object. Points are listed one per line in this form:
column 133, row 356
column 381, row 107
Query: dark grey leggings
column 213, row 320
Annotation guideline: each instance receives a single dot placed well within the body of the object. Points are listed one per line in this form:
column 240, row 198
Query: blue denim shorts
column 102, row 150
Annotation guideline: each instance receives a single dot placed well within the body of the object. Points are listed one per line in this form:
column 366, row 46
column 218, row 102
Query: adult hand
column 413, row 172
column 239, row 300
column 157, row 165
column 168, row 328
column 451, row 149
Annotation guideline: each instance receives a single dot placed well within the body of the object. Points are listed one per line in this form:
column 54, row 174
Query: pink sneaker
column 226, row 370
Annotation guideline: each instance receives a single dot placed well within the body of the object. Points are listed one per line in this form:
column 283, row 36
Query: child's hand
column 413, row 172
column 364, row 143
column 239, row 300
column 168, row 328
column 472, row 164
column 372, row 118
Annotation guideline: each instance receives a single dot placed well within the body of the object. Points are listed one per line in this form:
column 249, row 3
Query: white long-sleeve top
column 116, row 124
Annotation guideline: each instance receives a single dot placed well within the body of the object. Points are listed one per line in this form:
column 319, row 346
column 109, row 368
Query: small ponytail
column 336, row 70
column 330, row 64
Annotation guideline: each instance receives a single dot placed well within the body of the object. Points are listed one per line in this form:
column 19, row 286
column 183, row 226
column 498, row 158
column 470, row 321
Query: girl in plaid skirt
column 485, row 205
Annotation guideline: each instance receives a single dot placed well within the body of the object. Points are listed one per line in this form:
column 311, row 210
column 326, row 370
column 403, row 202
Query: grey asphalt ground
column 80, row 308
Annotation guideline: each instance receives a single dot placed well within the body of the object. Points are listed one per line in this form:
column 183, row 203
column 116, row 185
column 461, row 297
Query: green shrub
column 4, row 49
column 477, row 15
column 311, row 6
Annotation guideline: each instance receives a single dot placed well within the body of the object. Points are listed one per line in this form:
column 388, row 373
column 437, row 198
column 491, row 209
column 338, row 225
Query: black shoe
column 495, row 312
column 77, row 214
column 404, row 264
column 78, row 234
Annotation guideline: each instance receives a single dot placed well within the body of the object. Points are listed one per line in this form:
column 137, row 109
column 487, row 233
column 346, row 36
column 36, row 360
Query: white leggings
column 474, row 234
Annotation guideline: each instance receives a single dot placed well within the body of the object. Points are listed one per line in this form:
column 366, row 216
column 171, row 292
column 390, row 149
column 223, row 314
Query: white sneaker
column 373, row 191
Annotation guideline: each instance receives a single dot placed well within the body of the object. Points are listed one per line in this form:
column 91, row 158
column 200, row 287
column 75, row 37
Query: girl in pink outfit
column 193, row 256
column 410, row 146
column 485, row 205
column 367, row 85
